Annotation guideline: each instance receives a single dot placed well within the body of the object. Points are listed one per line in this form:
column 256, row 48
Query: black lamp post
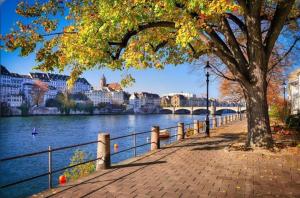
column 207, row 70
column 284, row 106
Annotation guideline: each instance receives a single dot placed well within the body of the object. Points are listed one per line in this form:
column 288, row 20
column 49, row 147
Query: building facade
column 294, row 91
column 13, row 86
column 144, row 102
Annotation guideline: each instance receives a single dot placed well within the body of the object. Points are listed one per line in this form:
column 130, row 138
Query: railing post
column 220, row 121
column 214, row 122
column 49, row 167
column 103, row 151
column 180, row 131
column 134, row 144
column 155, row 143
column 196, row 127
column 201, row 126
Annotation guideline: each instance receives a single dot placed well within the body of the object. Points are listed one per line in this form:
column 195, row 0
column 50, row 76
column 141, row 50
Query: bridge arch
column 225, row 111
column 200, row 111
column 166, row 111
column 182, row 111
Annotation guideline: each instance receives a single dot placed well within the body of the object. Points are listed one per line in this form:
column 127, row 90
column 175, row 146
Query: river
column 59, row 131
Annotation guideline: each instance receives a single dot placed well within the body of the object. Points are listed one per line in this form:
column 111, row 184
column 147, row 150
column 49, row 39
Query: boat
column 163, row 134
column 34, row 132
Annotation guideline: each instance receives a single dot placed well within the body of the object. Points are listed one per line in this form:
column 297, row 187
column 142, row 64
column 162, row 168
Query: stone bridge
column 202, row 110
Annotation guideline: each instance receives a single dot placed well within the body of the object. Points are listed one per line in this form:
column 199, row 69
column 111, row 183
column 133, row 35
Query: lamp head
column 207, row 68
column 284, row 84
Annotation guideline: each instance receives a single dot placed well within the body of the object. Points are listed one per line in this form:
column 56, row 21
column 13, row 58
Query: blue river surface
column 58, row 131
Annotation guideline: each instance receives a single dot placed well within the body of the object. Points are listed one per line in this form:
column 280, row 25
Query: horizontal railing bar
column 46, row 151
column 132, row 134
column 173, row 135
column 122, row 151
column 68, row 167
column 45, row 174
column 24, row 180
column 143, row 144
column 76, row 145
column 131, row 148
column 24, row 155
column 173, row 127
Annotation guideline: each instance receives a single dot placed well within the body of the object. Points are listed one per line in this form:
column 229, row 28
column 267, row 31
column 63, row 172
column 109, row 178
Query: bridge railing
column 108, row 147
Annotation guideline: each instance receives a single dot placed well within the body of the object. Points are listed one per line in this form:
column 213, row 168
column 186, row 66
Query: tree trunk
column 259, row 131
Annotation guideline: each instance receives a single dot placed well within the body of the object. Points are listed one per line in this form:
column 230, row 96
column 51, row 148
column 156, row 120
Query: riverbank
column 195, row 167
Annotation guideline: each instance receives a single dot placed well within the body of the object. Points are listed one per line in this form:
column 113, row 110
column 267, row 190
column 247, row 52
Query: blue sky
column 182, row 78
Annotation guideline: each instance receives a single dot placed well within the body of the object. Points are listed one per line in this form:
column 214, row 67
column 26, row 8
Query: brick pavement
column 195, row 167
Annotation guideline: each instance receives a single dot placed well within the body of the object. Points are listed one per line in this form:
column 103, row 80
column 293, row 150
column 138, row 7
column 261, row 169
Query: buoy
column 62, row 179
column 116, row 148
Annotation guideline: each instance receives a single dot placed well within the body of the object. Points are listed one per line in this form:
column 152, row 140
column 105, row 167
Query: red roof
column 115, row 86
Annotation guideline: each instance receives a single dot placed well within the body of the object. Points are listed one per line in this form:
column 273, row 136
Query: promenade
column 195, row 167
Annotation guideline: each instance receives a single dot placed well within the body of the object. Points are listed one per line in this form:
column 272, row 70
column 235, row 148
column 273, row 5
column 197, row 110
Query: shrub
column 189, row 132
column 293, row 121
column 80, row 170
column 24, row 109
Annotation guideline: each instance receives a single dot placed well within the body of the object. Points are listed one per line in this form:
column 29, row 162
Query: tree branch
column 237, row 21
column 221, row 74
column 285, row 54
column 234, row 45
column 282, row 11
column 124, row 40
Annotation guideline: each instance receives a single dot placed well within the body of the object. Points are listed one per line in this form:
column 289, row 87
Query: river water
column 58, row 131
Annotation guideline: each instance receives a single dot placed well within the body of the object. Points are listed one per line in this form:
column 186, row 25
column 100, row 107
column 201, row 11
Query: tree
column 65, row 102
column 52, row 102
column 4, row 109
column 24, row 109
column 143, row 34
column 38, row 91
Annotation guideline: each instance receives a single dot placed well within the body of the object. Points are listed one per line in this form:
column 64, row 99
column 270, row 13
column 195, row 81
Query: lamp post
column 207, row 70
column 284, row 106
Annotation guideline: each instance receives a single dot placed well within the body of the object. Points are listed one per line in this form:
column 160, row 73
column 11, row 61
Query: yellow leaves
column 186, row 33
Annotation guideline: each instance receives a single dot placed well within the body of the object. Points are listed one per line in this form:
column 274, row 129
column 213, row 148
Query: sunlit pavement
column 195, row 167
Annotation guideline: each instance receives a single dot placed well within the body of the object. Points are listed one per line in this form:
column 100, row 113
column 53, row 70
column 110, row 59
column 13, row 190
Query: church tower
column 103, row 82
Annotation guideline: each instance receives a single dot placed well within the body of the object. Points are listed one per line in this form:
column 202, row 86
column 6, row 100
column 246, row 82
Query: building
column 13, row 86
column 144, row 102
column 165, row 101
column 111, row 86
column 111, row 93
column 294, row 91
column 187, row 95
column 15, row 100
column 59, row 82
column 178, row 101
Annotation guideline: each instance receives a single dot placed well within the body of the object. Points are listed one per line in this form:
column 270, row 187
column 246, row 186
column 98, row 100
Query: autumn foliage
column 38, row 92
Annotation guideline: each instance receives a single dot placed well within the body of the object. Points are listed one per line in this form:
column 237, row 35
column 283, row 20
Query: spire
column 103, row 82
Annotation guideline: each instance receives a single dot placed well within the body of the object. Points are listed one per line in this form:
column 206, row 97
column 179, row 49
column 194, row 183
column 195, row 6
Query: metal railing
column 50, row 163
column 134, row 147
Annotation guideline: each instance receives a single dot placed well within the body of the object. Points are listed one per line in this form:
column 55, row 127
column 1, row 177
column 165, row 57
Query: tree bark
column 259, row 131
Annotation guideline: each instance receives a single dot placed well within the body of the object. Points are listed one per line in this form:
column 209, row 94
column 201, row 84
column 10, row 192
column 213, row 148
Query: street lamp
column 207, row 70
column 284, row 106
